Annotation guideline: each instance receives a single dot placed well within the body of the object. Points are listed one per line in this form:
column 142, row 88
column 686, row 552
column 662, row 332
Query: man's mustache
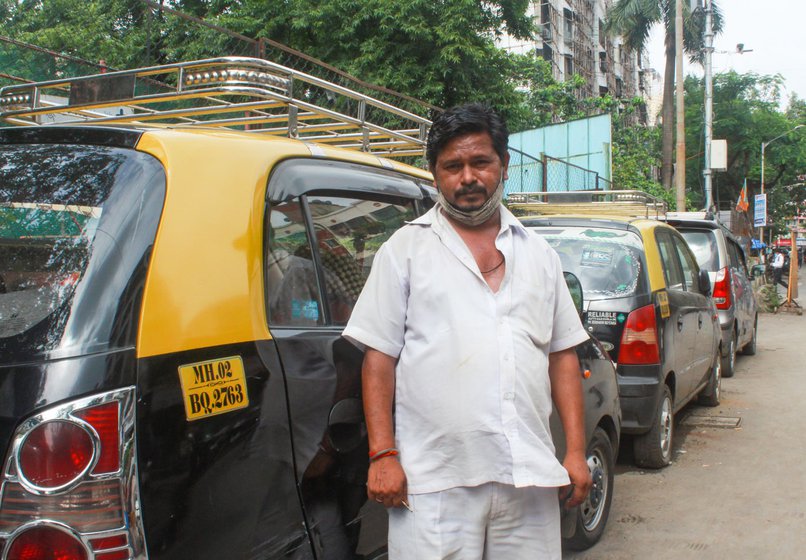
column 475, row 188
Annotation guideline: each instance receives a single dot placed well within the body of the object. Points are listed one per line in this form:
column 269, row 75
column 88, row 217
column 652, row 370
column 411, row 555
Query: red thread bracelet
column 391, row 452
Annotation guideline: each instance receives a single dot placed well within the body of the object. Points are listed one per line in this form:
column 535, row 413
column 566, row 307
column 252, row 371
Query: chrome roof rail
column 237, row 92
column 620, row 203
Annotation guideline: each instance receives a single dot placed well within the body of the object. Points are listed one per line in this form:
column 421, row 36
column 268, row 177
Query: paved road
column 731, row 492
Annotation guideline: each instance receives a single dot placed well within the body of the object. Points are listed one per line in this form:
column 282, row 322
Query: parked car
column 584, row 525
column 719, row 253
column 173, row 379
column 647, row 301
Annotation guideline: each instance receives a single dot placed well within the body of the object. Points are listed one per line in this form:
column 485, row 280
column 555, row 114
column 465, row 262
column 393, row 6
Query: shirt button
column 509, row 396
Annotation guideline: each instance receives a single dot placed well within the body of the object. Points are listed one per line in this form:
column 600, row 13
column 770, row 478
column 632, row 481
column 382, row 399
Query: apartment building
column 572, row 38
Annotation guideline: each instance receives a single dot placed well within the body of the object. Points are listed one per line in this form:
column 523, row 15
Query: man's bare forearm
column 378, row 379
column 566, row 392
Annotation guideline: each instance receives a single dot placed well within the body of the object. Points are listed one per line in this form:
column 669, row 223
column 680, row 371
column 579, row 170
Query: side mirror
column 575, row 287
column 704, row 282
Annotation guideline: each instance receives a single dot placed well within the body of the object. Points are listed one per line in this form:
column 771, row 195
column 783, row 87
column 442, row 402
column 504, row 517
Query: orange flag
column 741, row 204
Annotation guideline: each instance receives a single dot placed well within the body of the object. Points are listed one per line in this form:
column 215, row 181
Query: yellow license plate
column 213, row 387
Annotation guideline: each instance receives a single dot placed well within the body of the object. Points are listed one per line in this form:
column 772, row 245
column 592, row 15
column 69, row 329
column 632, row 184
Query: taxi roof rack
column 239, row 92
column 621, row 203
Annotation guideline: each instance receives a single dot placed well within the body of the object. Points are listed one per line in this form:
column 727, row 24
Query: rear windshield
column 703, row 245
column 607, row 262
column 61, row 210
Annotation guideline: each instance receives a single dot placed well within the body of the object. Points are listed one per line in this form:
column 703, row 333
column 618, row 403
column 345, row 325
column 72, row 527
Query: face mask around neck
column 478, row 216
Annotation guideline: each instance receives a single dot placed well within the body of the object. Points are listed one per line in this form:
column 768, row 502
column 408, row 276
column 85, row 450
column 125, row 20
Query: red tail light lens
column 104, row 419
column 721, row 293
column 639, row 341
column 55, row 453
column 46, row 543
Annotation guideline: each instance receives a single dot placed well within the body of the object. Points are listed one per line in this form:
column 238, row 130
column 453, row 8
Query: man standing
column 469, row 333
column 778, row 269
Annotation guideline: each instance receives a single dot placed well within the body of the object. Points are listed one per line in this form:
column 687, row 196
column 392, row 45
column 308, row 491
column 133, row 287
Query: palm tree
column 633, row 20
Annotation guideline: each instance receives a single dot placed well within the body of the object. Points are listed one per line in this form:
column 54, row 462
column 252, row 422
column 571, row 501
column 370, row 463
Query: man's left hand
column 581, row 481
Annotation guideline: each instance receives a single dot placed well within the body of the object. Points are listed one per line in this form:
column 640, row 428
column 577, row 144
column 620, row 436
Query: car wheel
column 750, row 348
column 729, row 361
column 654, row 448
column 593, row 512
column 711, row 393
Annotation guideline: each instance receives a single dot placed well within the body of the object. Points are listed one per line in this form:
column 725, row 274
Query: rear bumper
column 639, row 390
column 726, row 320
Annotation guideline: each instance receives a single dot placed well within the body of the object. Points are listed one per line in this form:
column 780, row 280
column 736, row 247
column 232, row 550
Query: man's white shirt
column 472, row 392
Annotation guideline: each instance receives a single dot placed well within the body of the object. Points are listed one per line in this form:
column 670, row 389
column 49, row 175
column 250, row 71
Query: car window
column 64, row 210
column 608, row 263
column 318, row 283
column 704, row 246
column 736, row 256
column 688, row 264
column 670, row 261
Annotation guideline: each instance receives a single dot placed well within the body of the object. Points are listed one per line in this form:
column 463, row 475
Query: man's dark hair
column 466, row 119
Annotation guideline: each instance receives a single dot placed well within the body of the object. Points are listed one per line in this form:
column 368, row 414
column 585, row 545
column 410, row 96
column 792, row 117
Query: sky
column 775, row 31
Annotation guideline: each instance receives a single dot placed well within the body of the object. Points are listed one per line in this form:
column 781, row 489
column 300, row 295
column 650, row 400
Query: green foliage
column 746, row 112
column 633, row 20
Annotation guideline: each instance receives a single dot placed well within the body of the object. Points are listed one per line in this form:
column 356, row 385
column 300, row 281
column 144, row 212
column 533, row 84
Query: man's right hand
column 386, row 482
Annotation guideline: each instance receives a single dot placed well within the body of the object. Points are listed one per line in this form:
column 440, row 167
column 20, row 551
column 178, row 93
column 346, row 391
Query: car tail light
column 104, row 419
column 721, row 294
column 69, row 488
column 46, row 543
column 639, row 340
column 55, row 454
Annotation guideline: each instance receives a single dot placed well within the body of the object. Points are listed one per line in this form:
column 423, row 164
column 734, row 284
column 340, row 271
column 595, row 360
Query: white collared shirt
column 472, row 391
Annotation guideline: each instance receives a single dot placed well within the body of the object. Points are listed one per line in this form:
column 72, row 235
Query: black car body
column 648, row 303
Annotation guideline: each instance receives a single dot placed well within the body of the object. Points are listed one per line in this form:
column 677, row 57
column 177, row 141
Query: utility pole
column 708, row 43
column 680, row 159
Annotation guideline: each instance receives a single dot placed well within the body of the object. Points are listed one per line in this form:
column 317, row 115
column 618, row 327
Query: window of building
column 568, row 22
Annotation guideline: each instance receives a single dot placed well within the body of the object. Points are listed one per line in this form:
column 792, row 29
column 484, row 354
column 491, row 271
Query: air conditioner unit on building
column 545, row 33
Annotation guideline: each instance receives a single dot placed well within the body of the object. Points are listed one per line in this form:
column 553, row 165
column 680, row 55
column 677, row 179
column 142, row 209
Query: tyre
column 729, row 361
column 593, row 512
column 654, row 449
column 750, row 348
column 713, row 390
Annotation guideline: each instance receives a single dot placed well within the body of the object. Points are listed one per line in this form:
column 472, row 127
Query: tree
column 747, row 113
column 633, row 20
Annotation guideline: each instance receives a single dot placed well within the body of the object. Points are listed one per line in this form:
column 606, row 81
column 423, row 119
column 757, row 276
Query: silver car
column 719, row 252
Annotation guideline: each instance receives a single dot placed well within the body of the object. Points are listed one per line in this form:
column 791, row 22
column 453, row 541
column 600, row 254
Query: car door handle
column 679, row 322
column 699, row 320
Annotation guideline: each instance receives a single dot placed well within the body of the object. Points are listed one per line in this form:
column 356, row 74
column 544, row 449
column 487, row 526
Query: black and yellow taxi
column 173, row 380
column 647, row 301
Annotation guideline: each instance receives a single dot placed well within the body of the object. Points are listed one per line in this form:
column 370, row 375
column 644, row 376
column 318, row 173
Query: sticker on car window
column 602, row 317
column 213, row 387
column 663, row 301
column 596, row 257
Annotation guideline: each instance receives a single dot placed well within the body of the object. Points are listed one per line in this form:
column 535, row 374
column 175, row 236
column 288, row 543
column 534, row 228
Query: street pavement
column 737, row 486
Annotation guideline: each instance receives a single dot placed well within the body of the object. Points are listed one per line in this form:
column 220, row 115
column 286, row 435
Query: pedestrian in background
column 778, row 269
column 469, row 332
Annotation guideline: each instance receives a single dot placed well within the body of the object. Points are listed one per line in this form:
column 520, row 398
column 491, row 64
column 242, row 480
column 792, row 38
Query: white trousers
column 490, row 522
